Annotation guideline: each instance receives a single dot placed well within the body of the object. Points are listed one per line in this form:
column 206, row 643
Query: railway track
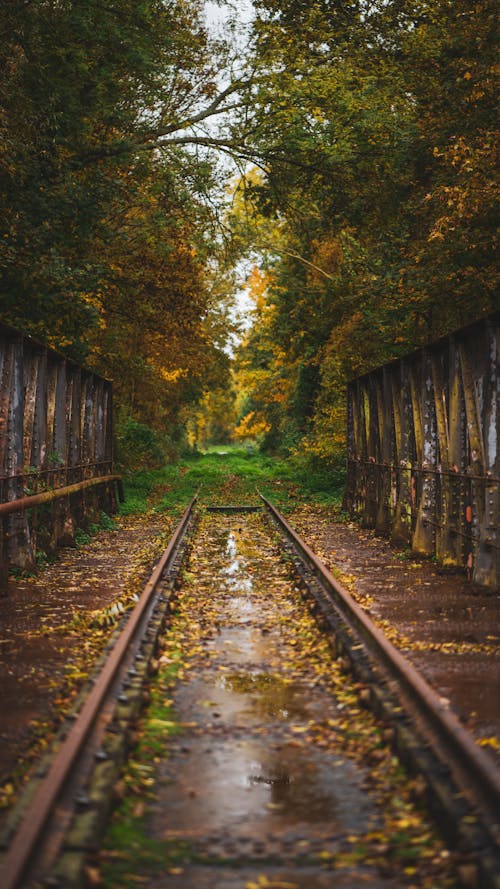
column 38, row 832
column 461, row 783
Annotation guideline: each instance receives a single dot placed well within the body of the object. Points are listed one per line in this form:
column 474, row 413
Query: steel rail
column 459, row 743
column 18, row 856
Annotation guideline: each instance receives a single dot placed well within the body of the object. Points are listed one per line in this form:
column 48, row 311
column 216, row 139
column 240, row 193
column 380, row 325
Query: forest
column 335, row 159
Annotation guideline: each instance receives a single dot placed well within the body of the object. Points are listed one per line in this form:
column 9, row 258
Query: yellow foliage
column 251, row 426
column 172, row 376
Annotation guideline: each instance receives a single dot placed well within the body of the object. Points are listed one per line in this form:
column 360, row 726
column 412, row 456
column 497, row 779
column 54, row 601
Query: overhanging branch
column 300, row 258
column 214, row 108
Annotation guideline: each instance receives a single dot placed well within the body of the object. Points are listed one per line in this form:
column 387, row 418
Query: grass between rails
column 229, row 475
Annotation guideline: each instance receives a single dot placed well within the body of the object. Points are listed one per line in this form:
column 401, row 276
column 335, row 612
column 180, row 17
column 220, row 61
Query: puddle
column 261, row 787
column 231, row 548
column 268, row 695
column 247, row 768
column 250, row 698
column 238, row 543
column 240, row 608
column 242, row 645
column 235, row 574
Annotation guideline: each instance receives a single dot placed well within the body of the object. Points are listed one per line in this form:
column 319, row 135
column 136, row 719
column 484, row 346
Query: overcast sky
column 216, row 15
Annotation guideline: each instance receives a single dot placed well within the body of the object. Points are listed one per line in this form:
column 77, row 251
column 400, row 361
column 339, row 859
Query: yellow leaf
column 489, row 742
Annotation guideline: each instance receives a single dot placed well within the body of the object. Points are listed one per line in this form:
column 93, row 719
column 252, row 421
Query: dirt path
column 257, row 767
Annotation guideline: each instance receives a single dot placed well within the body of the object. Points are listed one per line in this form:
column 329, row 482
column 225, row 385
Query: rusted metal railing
column 424, row 450
column 34, row 500
column 56, row 459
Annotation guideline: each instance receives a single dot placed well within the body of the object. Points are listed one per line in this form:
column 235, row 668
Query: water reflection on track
column 261, row 779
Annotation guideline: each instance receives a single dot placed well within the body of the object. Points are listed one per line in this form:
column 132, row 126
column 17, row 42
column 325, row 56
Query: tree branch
column 296, row 256
column 211, row 110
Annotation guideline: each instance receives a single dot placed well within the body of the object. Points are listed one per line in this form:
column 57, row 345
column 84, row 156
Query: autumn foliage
column 375, row 214
column 102, row 241
column 364, row 141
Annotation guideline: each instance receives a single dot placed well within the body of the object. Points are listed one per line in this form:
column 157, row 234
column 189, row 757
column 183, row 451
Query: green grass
column 228, row 475
column 105, row 523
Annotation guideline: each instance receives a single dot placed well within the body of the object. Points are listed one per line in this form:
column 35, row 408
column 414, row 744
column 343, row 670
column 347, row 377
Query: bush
column 138, row 447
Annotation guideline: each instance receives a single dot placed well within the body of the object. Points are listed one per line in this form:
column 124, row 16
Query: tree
column 363, row 134
column 376, row 125
column 104, row 239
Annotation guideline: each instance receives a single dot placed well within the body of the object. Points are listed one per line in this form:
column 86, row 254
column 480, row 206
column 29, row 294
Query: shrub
column 137, row 446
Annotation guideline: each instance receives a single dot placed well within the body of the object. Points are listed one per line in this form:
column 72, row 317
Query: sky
column 216, row 16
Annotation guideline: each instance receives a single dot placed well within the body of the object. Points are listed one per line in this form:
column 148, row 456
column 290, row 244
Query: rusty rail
column 23, row 846
column 460, row 745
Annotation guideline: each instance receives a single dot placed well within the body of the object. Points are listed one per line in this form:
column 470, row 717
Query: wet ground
column 448, row 627
column 44, row 652
column 277, row 778
column 263, row 706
